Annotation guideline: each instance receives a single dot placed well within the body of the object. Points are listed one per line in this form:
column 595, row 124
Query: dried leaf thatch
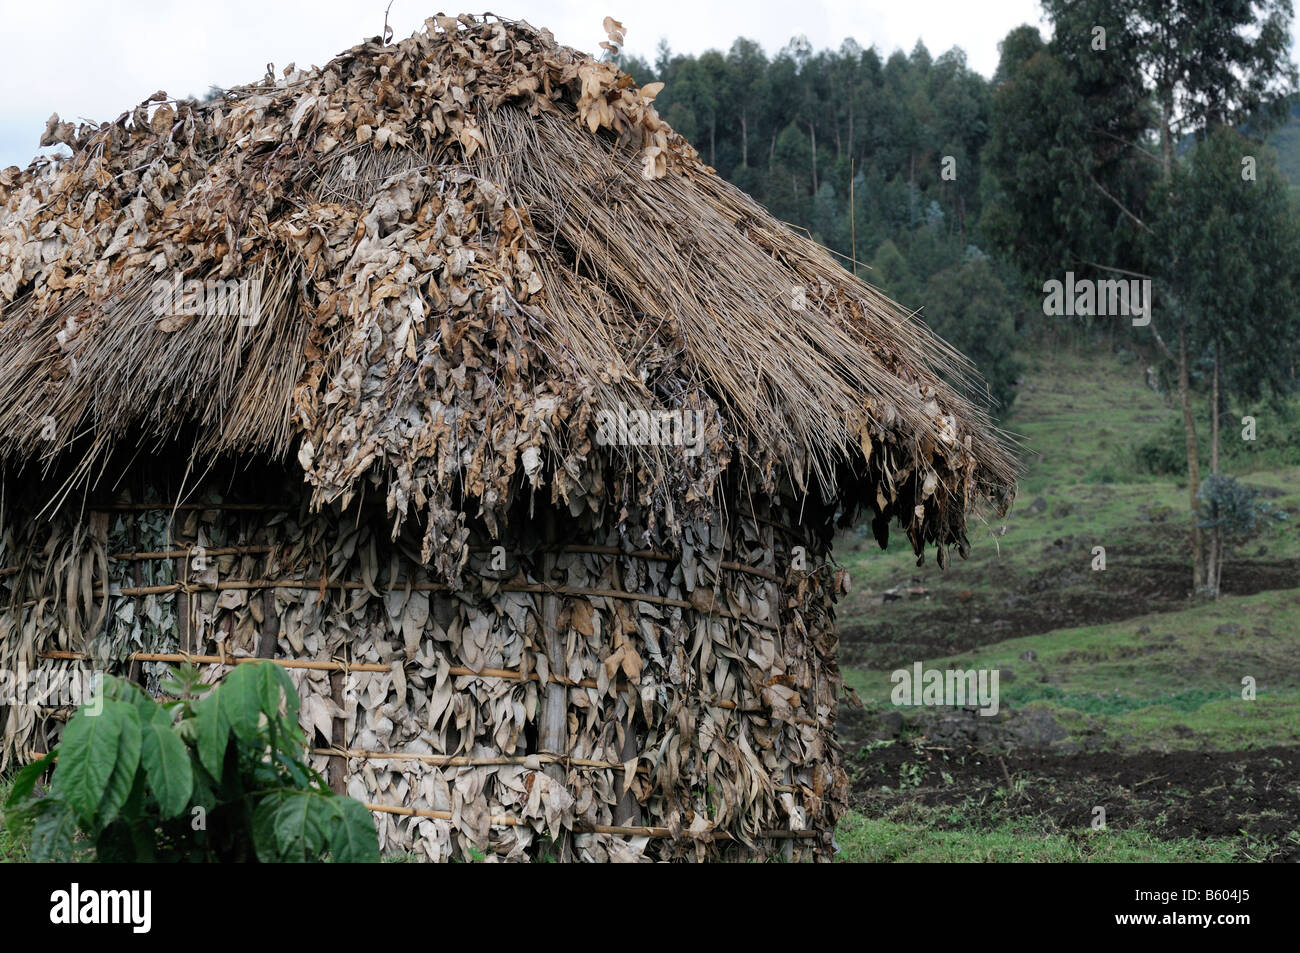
column 468, row 245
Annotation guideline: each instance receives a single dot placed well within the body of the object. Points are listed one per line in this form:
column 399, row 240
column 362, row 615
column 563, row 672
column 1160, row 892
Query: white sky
column 94, row 59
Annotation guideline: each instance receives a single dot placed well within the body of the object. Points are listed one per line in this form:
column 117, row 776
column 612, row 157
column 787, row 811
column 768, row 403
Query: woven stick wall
column 577, row 697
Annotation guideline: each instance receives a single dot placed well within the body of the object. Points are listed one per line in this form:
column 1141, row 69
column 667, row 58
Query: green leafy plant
column 217, row 774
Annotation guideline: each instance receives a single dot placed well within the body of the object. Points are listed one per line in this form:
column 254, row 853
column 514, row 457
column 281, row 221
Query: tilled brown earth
column 1252, row 795
column 1052, row 599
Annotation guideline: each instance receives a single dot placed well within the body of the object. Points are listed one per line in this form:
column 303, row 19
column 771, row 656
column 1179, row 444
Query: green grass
column 1110, row 678
column 11, row 851
column 867, row 840
column 1082, row 419
column 1227, row 725
column 1181, row 651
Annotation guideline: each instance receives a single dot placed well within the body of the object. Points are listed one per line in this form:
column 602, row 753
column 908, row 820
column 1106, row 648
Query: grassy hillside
column 1102, row 673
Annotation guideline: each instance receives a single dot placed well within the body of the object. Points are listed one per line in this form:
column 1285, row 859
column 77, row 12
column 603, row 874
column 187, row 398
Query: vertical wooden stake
column 135, row 673
column 338, row 766
column 268, row 640
column 553, row 730
column 555, row 715
column 626, row 812
column 775, row 593
column 183, row 608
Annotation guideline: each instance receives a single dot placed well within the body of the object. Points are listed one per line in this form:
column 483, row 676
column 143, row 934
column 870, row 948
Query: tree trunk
column 853, row 230
column 1167, row 137
column 812, row 130
column 744, row 139
column 1218, row 576
column 851, row 149
column 1193, row 463
column 1214, row 571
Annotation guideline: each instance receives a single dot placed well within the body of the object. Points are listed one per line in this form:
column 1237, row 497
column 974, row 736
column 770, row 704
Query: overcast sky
column 94, row 59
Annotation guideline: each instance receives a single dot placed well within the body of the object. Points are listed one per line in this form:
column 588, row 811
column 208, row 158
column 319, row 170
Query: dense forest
column 964, row 195
column 880, row 160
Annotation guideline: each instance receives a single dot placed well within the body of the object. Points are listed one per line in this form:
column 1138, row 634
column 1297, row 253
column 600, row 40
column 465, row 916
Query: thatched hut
column 449, row 375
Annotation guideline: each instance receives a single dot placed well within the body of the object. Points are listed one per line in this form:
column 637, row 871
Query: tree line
column 878, row 159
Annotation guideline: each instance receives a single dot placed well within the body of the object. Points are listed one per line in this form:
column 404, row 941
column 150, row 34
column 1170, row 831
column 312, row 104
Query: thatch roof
column 469, row 243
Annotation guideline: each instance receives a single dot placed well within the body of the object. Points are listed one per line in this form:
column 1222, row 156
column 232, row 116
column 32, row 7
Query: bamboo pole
column 180, row 553
column 649, row 554
column 535, row 761
column 336, row 666
column 504, row 820
column 345, row 585
column 188, row 507
column 532, row 761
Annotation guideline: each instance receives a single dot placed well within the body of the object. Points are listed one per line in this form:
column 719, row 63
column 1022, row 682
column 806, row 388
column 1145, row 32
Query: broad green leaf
column 352, row 835
column 212, row 734
column 262, row 828
column 135, row 805
column 120, row 782
column 25, row 780
column 87, row 757
column 52, row 833
column 277, row 685
column 298, row 832
column 119, row 689
column 167, row 764
column 300, row 775
column 240, row 696
column 142, row 840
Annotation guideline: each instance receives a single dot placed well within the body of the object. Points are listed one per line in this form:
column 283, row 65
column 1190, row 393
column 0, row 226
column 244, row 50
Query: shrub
column 1277, row 445
column 218, row 774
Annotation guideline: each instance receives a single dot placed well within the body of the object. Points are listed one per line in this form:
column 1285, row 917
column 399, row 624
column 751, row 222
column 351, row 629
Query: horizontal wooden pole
column 191, row 551
column 339, row 666
column 346, row 585
column 595, row 550
column 616, row 829
column 189, row 507
column 466, row 761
